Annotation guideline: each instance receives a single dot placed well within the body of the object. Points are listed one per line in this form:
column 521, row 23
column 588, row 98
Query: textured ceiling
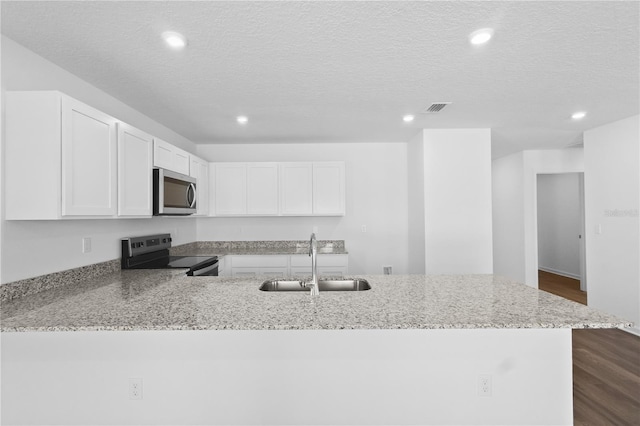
column 349, row 71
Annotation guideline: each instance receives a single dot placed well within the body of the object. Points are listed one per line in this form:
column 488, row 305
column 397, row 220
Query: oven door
column 174, row 194
column 206, row 271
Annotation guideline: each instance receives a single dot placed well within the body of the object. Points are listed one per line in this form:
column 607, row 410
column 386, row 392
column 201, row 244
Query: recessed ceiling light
column 481, row 36
column 408, row 118
column 174, row 40
column 242, row 119
column 578, row 115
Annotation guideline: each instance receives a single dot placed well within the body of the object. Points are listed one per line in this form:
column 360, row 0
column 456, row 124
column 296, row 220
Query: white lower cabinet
column 282, row 266
column 334, row 265
column 251, row 266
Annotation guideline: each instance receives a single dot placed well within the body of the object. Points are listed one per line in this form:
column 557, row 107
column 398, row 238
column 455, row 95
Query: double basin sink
column 323, row 285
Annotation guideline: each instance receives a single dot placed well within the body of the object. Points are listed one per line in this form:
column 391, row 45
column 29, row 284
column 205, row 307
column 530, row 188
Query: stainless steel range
column 152, row 252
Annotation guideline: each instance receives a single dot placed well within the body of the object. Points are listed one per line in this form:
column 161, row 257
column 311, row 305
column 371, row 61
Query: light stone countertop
column 167, row 300
column 260, row 248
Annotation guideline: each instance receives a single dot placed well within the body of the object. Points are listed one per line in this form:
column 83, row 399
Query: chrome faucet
column 313, row 252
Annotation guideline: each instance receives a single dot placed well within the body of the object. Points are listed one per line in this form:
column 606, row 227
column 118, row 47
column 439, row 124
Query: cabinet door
column 250, row 266
column 230, row 189
column 162, row 154
column 262, row 189
column 32, row 155
column 254, row 272
column 135, row 184
column 296, row 189
column 203, row 188
column 170, row 157
column 328, row 189
column 181, row 161
column 332, row 271
column 88, row 161
column 199, row 169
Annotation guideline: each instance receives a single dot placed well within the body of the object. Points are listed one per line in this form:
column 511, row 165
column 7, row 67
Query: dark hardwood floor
column 568, row 288
column 606, row 377
column 606, row 366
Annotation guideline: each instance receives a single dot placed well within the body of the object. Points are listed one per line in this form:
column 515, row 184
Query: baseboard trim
column 632, row 330
column 557, row 272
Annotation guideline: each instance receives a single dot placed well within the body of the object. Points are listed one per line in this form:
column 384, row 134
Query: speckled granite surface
column 222, row 248
column 166, row 300
column 17, row 289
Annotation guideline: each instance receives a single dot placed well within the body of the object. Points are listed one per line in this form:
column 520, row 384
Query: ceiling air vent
column 437, row 106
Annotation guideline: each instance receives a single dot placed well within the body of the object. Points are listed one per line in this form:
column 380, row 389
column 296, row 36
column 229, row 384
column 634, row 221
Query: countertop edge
column 281, row 327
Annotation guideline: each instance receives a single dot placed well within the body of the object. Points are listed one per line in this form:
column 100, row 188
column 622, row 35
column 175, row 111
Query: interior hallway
column 559, row 285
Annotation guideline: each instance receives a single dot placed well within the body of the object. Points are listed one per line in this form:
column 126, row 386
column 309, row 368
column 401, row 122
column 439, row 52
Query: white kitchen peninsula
column 216, row 350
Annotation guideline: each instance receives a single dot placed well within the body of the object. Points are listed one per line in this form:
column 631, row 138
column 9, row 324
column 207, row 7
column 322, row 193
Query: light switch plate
column 86, row 244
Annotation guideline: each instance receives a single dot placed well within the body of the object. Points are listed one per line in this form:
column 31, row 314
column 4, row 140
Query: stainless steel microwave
column 174, row 194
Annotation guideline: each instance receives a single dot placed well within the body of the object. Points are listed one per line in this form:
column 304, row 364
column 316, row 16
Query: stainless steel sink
column 323, row 285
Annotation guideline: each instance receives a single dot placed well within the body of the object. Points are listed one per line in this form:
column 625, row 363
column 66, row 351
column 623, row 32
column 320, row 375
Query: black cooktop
column 152, row 252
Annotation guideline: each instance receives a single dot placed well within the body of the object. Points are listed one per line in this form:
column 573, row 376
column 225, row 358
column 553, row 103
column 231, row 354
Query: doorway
column 561, row 236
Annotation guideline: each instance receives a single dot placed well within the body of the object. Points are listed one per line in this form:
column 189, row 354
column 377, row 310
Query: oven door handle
column 191, row 195
column 194, row 273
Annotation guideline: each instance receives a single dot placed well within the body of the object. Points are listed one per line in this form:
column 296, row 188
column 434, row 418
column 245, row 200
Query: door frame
column 581, row 237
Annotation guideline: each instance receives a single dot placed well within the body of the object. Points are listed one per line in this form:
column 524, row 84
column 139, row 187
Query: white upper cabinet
column 328, row 189
column 262, row 189
column 277, row 189
column 170, row 157
column 135, row 183
column 60, row 158
column 230, row 183
column 296, row 189
column 199, row 169
column 245, row 189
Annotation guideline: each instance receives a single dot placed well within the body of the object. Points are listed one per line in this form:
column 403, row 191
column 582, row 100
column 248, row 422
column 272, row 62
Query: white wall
column 612, row 202
column 457, row 201
column 559, row 223
column 376, row 196
column 35, row 248
column 415, row 188
column 515, row 207
column 508, row 216
column 288, row 377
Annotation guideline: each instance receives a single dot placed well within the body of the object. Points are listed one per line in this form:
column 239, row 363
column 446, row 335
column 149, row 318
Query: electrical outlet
column 386, row 270
column 484, row 385
column 86, row 244
column 135, row 388
column 364, row 228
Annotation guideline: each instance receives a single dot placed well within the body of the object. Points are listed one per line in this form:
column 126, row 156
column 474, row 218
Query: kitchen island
column 462, row 349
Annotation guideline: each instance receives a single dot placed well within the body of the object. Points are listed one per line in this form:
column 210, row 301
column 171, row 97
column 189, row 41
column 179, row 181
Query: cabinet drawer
column 254, row 272
column 259, row 262
column 340, row 260
column 332, row 271
column 323, row 271
column 301, row 271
